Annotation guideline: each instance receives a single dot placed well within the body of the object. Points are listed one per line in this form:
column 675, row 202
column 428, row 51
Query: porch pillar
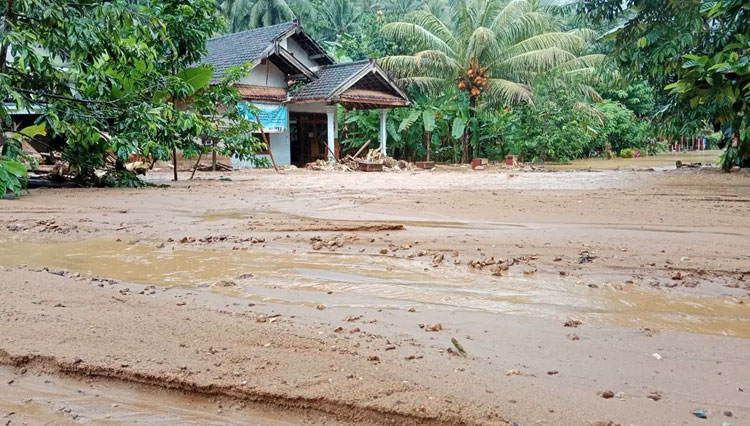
column 383, row 132
column 331, row 121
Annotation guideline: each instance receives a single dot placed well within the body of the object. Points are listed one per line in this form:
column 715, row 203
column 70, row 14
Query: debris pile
column 374, row 160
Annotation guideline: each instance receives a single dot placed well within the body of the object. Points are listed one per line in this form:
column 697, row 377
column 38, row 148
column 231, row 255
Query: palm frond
column 481, row 40
column 434, row 25
column 418, row 35
column 501, row 91
column 431, row 85
column 585, row 33
column 586, row 61
column 566, row 41
column 521, row 27
column 525, row 65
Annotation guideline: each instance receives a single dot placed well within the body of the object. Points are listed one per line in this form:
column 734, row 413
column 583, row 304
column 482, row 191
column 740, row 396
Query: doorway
column 308, row 137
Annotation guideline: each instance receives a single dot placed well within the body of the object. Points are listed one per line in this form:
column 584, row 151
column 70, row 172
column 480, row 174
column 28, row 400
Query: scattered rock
column 434, row 327
column 412, row 310
column 383, row 251
column 572, row 323
column 700, row 413
column 321, row 307
column 677, row 275
column 654, row 396
column 607, row 394
column 373, row 358
column 553, row 372
column 512, row 373
column 586, row 256
column 225, row 283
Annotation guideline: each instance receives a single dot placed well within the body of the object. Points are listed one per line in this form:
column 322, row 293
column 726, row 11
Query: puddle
column 46, row 399
column 661, row 161
column 378, row 281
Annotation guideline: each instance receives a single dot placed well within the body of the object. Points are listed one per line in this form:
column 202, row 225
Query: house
column 298, row 86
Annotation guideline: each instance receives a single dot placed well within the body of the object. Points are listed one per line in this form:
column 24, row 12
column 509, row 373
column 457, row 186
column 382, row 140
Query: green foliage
column 698, row 51
column 13, row 177
column 129, row 84
column 637, row 97
column 559, row 126
column 627, row 153
column 491, row 49
column 713, row 140
column 620, row 129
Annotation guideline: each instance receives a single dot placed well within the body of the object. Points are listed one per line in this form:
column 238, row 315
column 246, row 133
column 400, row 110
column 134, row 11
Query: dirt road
column 315, row 298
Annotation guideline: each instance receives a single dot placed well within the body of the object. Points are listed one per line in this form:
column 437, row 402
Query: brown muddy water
column 379, row 282
column 53, row 400
column 661, row 161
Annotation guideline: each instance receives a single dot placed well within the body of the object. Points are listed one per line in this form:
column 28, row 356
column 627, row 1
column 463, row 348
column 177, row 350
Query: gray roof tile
column 330, row 78
column 246, row 46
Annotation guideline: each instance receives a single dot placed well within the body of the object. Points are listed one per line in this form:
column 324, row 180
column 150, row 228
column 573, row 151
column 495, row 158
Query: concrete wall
column 294, row 48
column 280, row 147
column 265, row 75
column 311, row 107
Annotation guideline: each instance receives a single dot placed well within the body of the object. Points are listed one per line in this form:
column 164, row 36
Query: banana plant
column 424, row 114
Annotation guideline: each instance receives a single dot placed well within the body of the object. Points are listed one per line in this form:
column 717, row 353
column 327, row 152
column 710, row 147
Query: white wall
column 280, row 147
column 265, row 75
column 317, row 107
column 299, row 53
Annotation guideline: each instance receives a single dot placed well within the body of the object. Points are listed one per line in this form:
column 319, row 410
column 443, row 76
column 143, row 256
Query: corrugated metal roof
column 246, row 46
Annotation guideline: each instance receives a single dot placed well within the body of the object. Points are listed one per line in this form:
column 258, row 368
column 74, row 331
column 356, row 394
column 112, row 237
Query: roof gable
column 238, row 48
column 346, row 82
column 257, row 44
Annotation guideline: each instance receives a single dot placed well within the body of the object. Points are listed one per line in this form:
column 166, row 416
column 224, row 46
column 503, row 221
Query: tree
column 696, row 50
column 491, row 51
column 247, row 14
column 116, row 77
column 341, row 18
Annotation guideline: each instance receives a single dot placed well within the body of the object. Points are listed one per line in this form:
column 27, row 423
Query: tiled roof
column 376, row 96
column 261, row 93
column 330, row 78
column 246, row 46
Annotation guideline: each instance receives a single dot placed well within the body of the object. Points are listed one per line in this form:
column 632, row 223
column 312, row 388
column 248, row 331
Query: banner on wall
column 273, row 117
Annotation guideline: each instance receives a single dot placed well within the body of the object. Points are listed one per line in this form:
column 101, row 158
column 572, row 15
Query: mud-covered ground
column 305, row 297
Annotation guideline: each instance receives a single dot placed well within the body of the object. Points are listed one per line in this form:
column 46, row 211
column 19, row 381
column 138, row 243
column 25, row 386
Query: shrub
column 627, row 153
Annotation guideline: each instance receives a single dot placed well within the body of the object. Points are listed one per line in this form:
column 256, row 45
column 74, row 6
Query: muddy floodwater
column 343, row 298
column 377, row 281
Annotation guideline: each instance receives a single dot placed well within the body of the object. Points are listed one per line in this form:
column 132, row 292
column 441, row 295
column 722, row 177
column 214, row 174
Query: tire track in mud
column 318, row 407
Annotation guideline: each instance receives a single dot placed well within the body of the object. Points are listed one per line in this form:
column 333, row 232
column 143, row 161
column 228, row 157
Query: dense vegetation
column 490, row 77
column 112, row 79
column 548, row 80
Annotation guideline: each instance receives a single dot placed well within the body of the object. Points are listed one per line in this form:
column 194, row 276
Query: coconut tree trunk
column 429, row 143
column 465, row 150
column 473, row 129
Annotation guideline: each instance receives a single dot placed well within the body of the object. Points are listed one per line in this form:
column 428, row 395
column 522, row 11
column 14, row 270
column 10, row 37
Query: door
column 308, row 137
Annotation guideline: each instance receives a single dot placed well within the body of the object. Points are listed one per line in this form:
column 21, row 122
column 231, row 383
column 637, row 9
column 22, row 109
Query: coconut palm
column 402, row 7
column 342, row 17
column 490, row 49
column 246, row 14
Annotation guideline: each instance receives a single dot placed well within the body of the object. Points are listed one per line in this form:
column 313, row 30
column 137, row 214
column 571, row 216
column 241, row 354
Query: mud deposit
column 315, row 298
